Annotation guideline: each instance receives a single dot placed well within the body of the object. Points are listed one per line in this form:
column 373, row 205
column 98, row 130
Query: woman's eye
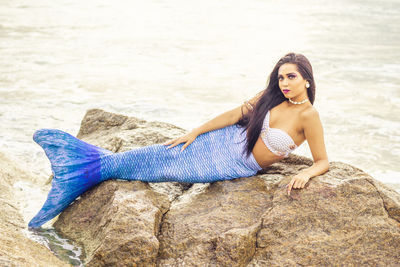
column 280, row 78
column 292, row 76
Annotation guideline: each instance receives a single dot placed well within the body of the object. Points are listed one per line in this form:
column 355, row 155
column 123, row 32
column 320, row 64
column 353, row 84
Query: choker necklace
column 298, row 103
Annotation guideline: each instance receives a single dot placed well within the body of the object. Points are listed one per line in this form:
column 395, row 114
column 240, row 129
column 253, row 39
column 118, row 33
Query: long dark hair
column 272, row 96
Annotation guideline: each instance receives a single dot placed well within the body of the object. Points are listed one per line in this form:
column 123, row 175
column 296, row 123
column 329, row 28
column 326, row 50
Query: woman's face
column 291, row 83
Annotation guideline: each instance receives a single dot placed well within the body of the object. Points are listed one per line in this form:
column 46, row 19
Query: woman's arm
column 228, row 118
column 225, row 119
column 314, row 134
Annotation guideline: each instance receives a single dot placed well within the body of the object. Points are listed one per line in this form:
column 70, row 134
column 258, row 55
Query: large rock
column 117, row 223
column 16, row 249
column 344, row 217
column 215, row 226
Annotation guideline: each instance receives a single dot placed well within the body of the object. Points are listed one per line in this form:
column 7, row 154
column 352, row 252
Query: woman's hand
column 187, row 139
column 298, row 181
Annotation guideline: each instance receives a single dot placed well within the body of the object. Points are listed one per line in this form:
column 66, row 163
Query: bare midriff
column 292, row 126
column 263, row 155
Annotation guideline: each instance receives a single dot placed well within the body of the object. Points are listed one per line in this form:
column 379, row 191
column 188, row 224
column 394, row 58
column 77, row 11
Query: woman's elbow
column 325, row 165
column 236, row 115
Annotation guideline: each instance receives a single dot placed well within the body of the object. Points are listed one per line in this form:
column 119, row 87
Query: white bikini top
column 278, row 141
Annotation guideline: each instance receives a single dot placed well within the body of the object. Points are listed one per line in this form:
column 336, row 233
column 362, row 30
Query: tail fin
column 76, row 168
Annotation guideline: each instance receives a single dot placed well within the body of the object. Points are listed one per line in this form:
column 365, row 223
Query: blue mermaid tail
column 78, row 166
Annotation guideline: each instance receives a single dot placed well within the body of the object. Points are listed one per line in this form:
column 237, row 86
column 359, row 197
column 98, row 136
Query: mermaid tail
column 78, row 166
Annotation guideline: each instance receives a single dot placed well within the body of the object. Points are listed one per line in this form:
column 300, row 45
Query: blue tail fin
column 76, row 168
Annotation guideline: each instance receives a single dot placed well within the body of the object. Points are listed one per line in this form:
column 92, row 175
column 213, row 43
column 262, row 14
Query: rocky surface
column 117, row 222
column 16, row 249
column 344, row 217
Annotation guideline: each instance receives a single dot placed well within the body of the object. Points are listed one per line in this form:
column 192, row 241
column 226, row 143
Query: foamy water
column 185, row 62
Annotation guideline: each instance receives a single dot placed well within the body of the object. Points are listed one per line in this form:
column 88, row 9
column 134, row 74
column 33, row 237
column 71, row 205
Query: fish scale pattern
column 78, row 166
column 213, row 156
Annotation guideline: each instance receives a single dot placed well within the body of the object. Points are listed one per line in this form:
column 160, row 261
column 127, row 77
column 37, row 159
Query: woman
column 237, row 143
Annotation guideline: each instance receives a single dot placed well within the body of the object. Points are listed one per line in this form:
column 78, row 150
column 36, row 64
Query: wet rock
column 117, row 223
column 343, row 217
column 16, row 249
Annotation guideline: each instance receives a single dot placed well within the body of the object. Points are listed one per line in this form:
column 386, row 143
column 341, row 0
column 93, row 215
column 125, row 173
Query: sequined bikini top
column 278, row 141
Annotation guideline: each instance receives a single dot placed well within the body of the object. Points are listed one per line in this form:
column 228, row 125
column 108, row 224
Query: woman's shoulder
column 309, row 114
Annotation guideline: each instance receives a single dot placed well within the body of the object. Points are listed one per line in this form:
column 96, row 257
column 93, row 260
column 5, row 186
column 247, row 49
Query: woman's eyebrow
column 287, row 74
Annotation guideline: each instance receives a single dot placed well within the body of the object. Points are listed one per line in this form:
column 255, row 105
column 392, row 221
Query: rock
column 117, row 223
column 16, row 249
column 215, row 227
column 343, row 217
column 340, row 219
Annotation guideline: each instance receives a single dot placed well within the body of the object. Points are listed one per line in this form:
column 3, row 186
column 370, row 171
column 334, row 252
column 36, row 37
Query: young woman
column 237, row 143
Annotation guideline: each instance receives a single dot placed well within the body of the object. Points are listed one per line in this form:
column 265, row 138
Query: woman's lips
column 285, row 91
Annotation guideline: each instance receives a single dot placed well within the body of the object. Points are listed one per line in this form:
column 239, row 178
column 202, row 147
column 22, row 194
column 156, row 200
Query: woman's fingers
column 296, row 182
column 176, row 142
column 169, row 142
column 184, row 139
column 299, row 185
column 289, row 187
column 173, row 143
column 186, row 145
